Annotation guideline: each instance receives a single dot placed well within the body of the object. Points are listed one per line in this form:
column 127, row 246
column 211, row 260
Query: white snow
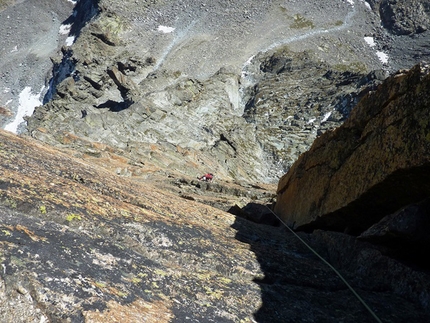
column 165, row 29
column 248, row 62
column 65, row 29
column 382, row 57
column 27, row 102
column 367, row 5
column 70, row 40
column 311, row 120
column 8, row 102
column 326, row 116
column 351, row 2
column 72, row 1
column 15, row 49
column 370, row 41
column 6, row 90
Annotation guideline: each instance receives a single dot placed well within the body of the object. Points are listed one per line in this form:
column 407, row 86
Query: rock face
column 167, row 81
column 375, row 163
column 127, row 84
column 297, row 98
column 405, row 17
column 80, row 243
column 108, row 221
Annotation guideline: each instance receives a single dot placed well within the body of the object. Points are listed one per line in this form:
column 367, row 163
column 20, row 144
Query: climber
column 207, row 177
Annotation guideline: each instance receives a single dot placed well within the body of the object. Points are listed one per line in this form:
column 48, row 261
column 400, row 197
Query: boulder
column 256, row 212
column 377, row 162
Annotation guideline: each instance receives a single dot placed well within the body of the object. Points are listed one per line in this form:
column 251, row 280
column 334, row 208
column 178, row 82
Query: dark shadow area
column 404, row 235
column 84, row 11
column 256, row 213
column 289, row 285
column 297, row 286
column 114, row 106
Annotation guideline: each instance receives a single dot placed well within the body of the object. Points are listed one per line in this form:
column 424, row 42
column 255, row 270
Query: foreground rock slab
column 79, row 243
column 377, row 162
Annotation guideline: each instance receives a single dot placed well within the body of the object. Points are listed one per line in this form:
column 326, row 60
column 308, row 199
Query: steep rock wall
column 375, row 163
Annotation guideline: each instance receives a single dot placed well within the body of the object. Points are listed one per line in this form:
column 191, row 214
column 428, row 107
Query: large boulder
column 375, row 163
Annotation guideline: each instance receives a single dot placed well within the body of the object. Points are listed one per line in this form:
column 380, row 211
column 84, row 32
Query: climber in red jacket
column 207, row 177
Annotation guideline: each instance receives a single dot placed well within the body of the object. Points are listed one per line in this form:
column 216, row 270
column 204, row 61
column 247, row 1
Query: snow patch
column 247, row 63
column 351, row 2
column 70, row 40
column 326, row 116
column 15, row 49
column 370, row 41
column 8, row 102
column 367, row 4
column 382, row 57
column 65, row 29
column 27, row 102
column 165, row 29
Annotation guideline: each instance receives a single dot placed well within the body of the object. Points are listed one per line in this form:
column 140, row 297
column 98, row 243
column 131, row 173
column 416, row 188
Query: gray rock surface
column 29, row 35
column 213, row 86
column 161, row 87
column 405, row 17
column 207, row 106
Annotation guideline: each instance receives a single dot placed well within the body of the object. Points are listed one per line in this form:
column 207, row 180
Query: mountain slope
column 180, row 75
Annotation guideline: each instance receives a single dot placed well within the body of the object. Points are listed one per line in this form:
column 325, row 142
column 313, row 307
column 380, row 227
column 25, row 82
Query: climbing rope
column 328, row 264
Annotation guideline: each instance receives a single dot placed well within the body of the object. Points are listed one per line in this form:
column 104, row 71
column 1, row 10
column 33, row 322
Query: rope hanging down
column 328, row 264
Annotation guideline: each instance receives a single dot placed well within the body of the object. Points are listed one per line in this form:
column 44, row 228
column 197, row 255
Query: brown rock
column 79, row 243
column 5, row 111
column 374, row 164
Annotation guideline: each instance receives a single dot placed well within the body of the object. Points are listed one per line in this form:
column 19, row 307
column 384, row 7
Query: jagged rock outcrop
column 194, row 93
column 298, row 97
column 171, row 61
column 79, row 243
column 202, row 124
column 405, row 17
column 375, row 163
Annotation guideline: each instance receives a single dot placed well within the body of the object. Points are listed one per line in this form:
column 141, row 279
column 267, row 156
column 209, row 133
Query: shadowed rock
column 375, row 163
